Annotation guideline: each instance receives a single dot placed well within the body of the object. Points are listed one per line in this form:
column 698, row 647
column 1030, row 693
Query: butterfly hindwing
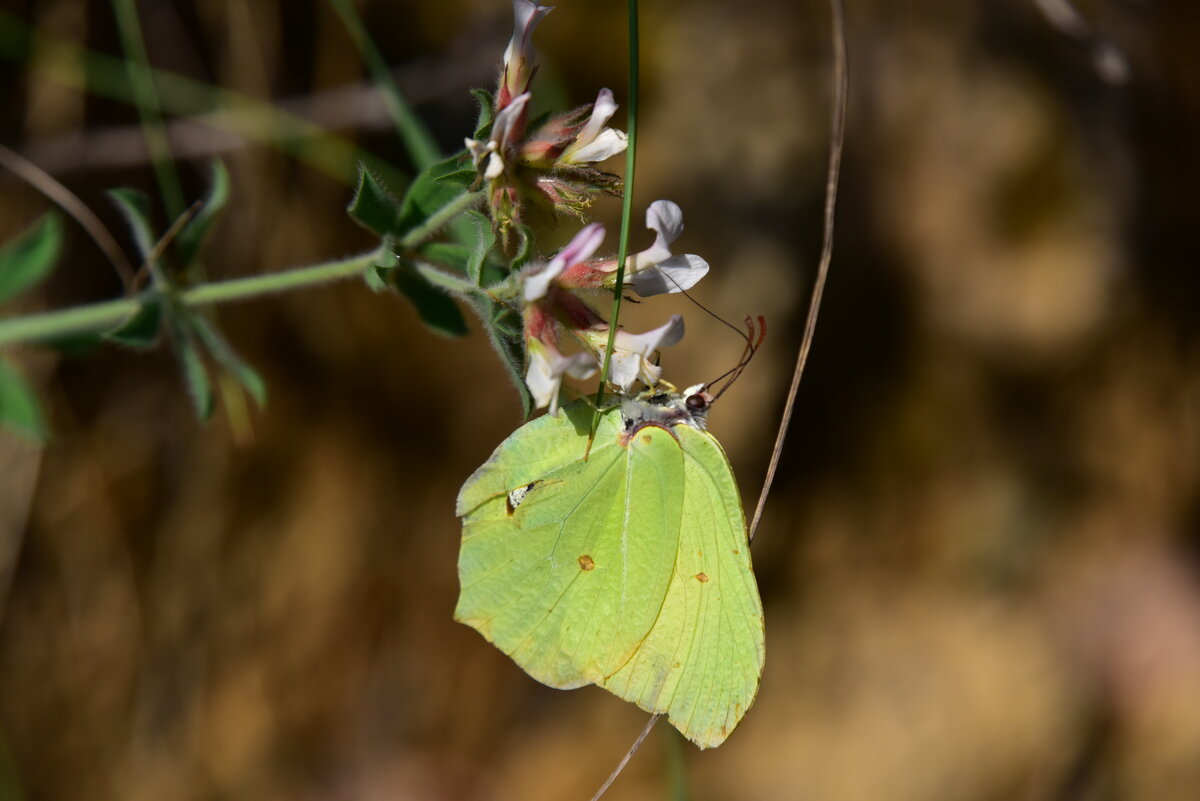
column 701, row 663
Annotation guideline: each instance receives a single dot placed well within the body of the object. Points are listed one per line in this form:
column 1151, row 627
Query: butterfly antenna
column 753, row 343
column 707, row 310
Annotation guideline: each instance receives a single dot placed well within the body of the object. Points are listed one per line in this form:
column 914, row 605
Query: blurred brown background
column 979, row 563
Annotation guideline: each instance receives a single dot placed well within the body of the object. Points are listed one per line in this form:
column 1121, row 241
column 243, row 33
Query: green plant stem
column 146, row 97
column 440, row 218
column 416, row 137
column 626, row 207
column 109, row 314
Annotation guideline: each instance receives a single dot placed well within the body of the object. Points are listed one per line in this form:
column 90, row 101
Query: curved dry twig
column 837, row 141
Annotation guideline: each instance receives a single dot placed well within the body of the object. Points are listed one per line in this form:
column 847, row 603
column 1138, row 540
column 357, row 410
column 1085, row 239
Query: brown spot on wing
column 586, row 562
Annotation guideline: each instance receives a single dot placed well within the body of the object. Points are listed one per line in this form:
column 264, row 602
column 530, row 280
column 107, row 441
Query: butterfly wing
column 702, row 660
column 569, row 580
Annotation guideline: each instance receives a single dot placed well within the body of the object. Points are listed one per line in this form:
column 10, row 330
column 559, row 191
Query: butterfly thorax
column 665, row 406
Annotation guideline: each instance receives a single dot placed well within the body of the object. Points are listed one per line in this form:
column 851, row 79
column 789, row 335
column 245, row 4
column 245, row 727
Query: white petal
column 624, row 368
column 546, row 370
column 675, row 274
column 647, row 343
column 526, row 16
column 609, row 143
column 543, row 385
column 580, row 248
column 583, row 244
column 602, row 111
column 505, row 119
column 495, row 166
column 537, row 284
column 579, row 365
column 665, row 217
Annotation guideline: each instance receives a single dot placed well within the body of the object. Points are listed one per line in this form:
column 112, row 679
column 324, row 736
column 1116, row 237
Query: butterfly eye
column 696, row 402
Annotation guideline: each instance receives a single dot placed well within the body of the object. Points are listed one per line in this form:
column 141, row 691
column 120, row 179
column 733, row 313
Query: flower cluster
column 555, row 313
column 550, row 169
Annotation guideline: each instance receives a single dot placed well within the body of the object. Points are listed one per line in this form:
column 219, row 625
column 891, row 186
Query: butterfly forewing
column 570, row 579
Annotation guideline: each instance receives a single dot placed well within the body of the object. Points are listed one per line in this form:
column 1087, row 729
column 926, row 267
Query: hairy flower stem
column 110, row 314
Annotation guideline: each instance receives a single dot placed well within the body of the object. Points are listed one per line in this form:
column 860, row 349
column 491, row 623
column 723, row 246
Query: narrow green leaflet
column 436, row 308
column 433, row 190
column 372, row 206
column 629, row 570
column 28, row 258
column 191, row 239
column 485, row 240
column 135, row 208
column 195, row 373
column 227, row 357
column 19, row 406
column 487, row 104
column 142, row 329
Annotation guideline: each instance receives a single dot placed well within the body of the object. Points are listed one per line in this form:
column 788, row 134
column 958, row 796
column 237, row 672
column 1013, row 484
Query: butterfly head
column 665, row 406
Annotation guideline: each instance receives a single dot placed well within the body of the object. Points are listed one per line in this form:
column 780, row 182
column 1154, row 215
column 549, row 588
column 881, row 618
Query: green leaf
column 508, row 342
column 193, row 236
column 524, row 246
column 436, row 309
column 135, row 208
column 28, row 258
column 485, row 240
column 447, row 255
column 434, row 189
column 227, row 357
column 142, row 329
column 19, row 406
column 195, row 373
column 373, row 207
column 487, row 105
column 376, row 278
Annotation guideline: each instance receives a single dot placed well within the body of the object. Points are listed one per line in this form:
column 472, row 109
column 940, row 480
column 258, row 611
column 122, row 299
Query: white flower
column 655, row 270
column 594, row 142
column 502, row 130
column 580, row 248
column 518, row 55
column 546, row 370
column 632, row 352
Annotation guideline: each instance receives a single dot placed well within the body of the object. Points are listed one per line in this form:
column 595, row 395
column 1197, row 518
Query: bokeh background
column 979, row 565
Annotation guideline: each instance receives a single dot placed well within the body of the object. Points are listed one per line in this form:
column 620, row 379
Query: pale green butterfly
column 628, row 569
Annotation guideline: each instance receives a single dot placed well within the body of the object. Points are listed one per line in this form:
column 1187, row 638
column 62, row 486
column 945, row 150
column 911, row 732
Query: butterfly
column 627, row 568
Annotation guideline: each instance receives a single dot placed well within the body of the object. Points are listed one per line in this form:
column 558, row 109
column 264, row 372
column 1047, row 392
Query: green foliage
column 485, row 241
column 135, row 208
column 195, row 374
column 372, row 206
column 434, row 189
column 19, row 406
column 487, row 112
column 142, row 329
column 436, row 309
column 227, row 357
column 29, row 257
column 193, row 334
column 503, row 328
column 192, row 237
